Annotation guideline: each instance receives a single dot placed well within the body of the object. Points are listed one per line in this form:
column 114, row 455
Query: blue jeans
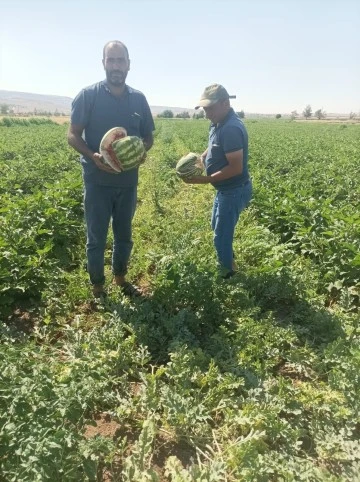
column 225, row 214
column 101, row 204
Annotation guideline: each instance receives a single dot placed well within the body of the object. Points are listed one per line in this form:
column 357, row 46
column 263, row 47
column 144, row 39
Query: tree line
column 168, row 114
column 307, row 113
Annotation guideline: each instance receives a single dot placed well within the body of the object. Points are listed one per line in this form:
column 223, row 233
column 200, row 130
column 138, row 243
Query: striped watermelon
column 106, row 149
column 189, row 166
column 129, row 151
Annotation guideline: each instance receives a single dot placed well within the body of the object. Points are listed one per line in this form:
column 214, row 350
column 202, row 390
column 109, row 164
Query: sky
column 276, row 56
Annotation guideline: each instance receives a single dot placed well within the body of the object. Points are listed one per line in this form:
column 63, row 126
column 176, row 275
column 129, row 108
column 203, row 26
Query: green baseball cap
column 212, row 94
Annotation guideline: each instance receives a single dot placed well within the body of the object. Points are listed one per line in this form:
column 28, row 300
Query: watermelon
column 106, row 147
column 129, row 151
column 189, row 166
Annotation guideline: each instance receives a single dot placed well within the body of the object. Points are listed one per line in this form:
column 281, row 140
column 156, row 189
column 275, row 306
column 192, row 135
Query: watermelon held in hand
column 106, row 147
column 129, row 151
column 189, row 166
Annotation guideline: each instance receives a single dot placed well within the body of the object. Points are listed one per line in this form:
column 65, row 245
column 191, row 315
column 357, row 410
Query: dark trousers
column 103, row 203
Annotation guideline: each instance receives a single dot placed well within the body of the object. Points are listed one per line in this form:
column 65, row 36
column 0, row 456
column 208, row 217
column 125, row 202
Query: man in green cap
column 226, row 164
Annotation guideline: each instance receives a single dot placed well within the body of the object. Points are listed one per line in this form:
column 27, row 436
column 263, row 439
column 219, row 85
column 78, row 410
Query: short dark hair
column 115, row 42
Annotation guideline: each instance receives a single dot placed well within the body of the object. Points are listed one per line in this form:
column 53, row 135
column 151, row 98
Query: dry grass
column 59, row 119
column 340, row 120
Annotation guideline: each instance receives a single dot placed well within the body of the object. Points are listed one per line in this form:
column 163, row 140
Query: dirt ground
column 103, row 425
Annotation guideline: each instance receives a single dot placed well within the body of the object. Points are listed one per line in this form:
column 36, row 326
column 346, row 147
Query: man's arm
column 76, row 141
column 235, row 167
column 203, row 157
column 147, row 127
column 148, row 141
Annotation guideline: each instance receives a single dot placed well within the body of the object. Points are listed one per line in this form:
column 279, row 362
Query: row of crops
column 253, row 379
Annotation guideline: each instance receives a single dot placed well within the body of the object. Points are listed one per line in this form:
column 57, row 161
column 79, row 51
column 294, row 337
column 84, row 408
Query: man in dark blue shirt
column 226, row 164
column 109, row 195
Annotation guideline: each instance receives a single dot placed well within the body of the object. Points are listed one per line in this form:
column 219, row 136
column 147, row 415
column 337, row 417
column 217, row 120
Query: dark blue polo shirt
column 230, row 135
column 98, row 111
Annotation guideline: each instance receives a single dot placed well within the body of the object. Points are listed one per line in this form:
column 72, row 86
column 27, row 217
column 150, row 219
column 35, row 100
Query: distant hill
column 24, row 102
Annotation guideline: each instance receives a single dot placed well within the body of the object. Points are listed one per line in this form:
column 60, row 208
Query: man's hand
column 99, row 161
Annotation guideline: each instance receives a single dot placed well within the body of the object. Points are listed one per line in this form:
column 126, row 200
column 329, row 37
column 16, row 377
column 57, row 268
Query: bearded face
column 116, row 64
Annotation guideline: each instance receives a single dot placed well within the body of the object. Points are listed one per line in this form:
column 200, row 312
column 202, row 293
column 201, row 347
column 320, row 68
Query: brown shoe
column 119, row 280
column 98, row 291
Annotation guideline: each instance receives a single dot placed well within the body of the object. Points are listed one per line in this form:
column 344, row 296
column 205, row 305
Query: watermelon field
column 256, row 378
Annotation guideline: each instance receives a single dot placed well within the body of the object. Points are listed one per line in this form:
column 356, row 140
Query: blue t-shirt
column 98, row 111
column 230, row 135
